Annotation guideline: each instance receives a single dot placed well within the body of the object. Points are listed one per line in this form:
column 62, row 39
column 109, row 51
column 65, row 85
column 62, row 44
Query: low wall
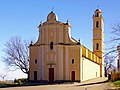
column 115, row 76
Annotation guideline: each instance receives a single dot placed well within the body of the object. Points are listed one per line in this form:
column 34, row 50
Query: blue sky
column 21, row 18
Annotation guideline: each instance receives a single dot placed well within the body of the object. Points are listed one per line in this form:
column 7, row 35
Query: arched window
column 73, row 61
column 97, row 14
column 35, row 61
column 97, row 24
column 97, row 46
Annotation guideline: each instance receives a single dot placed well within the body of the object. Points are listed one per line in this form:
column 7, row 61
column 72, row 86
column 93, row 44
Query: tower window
column 97, row 24
column 35, row 61
column 73, row 61
column 97, row 46
column 97, row 15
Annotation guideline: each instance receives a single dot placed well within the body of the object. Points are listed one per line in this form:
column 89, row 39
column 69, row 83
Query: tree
column 116, row 32
column 114, row 40
column 17, row 54
column 3, row 76
column 109, row 64
column 112, row 52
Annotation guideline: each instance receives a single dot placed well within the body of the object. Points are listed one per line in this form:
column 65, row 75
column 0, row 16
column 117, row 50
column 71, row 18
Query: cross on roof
column 52, row 8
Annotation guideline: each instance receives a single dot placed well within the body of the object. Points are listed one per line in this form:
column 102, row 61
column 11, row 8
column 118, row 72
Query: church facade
column 56, row 56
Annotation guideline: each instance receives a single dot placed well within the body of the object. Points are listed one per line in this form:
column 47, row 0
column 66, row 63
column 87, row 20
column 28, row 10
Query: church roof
column 98, row 10
column 51, row 16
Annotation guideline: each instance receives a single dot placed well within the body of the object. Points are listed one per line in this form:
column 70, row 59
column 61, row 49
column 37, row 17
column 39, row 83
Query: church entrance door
column 35, row 75
column 73, row 75
column 51, row 75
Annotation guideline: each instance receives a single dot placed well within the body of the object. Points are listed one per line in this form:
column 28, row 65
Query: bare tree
column 3, row 76
column 17, row 54
column 116, row 32
column 114, row 40
column 112, row 52
column 4, row 73
column 109, row 63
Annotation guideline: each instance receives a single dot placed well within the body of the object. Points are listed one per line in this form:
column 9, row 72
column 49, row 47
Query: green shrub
column 20, row 81
column 117, row 82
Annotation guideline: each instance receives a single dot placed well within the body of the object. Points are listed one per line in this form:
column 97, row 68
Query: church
column 58, row 57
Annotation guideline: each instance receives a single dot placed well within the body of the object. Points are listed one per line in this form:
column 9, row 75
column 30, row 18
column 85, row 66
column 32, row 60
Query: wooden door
column 35, row 75
column 73, row 75
column 51, row 75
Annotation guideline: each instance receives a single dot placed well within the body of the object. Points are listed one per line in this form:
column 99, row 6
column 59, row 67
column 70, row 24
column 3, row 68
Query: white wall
column 90, row 69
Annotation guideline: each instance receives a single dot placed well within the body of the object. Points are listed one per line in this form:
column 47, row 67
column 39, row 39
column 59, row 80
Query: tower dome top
column 98, row 13
column 52, row 16
column 98, row 10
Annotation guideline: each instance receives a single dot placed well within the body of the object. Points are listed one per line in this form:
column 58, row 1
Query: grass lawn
column 4, row 84
column 117, row 82
column 7, row 85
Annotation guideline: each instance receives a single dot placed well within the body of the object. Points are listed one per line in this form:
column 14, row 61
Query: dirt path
column 94, row 84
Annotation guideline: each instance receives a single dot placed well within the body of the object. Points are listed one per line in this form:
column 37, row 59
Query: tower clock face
column 97, row 35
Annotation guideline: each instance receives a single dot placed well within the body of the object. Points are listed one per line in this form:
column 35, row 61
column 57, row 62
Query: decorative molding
column 42, row 33
column 43, row 65
column 55, row 34
column 67, row 63
column 47, row 34
column 39, row 64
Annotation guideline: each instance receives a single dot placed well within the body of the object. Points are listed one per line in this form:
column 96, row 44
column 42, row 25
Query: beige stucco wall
column 74, row 53
column 90, row 69
column 33, row 55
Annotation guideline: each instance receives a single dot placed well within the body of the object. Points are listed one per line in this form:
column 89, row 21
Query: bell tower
column 98, row 38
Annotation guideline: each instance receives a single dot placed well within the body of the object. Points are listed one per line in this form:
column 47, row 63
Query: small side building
column 56, row 56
